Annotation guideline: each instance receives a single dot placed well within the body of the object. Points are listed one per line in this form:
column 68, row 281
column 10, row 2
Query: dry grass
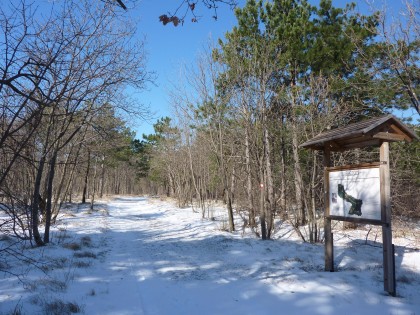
column 54, row 264
column 58, row 307
column 72, row 246
column 82, row 264
column 47, row 283
column 85, row 254
column 86, row 241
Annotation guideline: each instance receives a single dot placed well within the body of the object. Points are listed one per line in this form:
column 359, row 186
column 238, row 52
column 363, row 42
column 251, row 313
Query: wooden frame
column 378, row 132
column 349, row 174
column 384, row 216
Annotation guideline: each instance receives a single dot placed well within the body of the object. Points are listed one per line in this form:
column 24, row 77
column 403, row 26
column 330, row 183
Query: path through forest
column 146, row 256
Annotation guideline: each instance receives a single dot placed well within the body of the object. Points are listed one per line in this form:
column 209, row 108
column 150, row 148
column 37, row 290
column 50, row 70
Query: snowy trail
column 121, row 284
column 161, row 261
column 164, row 260
column 142, row 256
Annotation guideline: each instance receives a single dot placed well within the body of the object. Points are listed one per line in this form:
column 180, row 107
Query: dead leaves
column 174, row 19
column 170, row 19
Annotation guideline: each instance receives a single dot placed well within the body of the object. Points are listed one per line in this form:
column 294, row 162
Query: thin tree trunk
column 86, row 179
column 269, row 182
column 283, row 204
column 262, row 206
column 35, row 203
column 102, row 179
column 69, row 184
column 225, row 182
column 301, row 218
column 250, row 199
column 313, row 223
column 92, row 199
column 232, row 184
column 56, row 206
column 300, row 212
column 49, row 196
column 230, row 210
column 171, row 184
column 193, row 178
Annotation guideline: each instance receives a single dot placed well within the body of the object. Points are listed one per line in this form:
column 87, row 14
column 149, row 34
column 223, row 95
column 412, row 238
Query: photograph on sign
column 355, row 193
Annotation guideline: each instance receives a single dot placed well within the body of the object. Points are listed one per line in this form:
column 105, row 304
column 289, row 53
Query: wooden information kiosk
column 361, row 193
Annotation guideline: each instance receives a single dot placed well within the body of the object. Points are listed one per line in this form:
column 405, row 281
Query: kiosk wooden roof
column 377, row 131
column 371, row 132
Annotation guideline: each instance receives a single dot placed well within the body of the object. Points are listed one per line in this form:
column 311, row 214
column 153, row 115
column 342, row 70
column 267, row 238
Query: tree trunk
column 230, row 210
column 171, row 184
column 232, row 184
column 35, row 203
column 86, row 179
column 56, row 205
column 250, row 199
column 313, row 225
column 283, row 204
column 194, row 179
column 270, row 209
column 262, row 205
column 102, row 179
column 69, row 185
column 49, row 197
column 92, row 199
column 300, row 211
column 226, row 189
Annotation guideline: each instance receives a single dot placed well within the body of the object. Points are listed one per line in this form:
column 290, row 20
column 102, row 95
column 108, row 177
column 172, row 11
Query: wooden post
column 329, row 243
column 378, row 131
column 388, row 254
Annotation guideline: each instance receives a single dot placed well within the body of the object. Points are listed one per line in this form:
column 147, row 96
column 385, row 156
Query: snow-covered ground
column 145, row 256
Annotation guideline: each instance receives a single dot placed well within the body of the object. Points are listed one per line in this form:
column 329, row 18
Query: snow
column 137, row 255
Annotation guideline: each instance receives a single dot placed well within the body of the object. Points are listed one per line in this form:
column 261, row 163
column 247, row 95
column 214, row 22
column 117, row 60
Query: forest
column 286, row 72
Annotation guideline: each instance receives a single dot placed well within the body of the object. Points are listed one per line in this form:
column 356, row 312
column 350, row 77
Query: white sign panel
column 355, row 193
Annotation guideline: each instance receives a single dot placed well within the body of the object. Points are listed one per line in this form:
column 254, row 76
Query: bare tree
column 189, row 7
column 58, row 72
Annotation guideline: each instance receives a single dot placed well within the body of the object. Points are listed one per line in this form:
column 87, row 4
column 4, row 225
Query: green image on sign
column 356, row 204
column 355, row 193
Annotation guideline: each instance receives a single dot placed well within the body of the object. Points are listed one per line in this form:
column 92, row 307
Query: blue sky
column 169, row 47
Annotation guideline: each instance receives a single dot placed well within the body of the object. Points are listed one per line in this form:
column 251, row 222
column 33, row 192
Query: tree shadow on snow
column 167, row 270
column 219, row 274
